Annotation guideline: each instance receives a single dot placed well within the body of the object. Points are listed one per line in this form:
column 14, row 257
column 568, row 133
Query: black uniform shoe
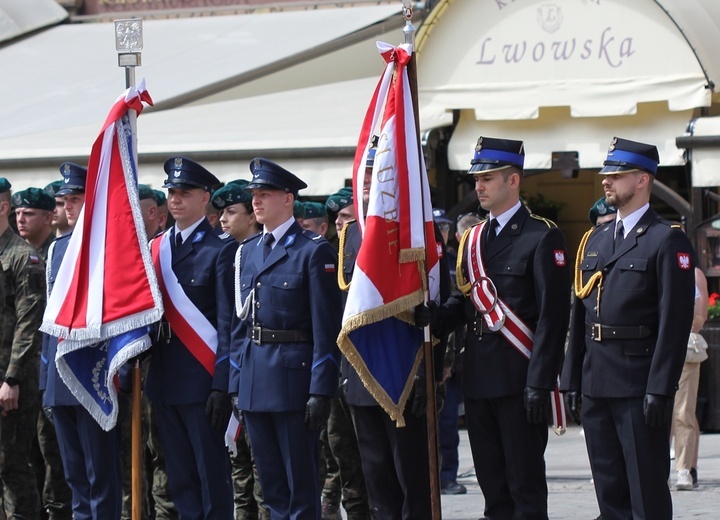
column 453, row 488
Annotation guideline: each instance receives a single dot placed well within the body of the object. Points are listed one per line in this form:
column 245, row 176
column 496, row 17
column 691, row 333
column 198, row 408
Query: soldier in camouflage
column 34, row 209
column 24, row 288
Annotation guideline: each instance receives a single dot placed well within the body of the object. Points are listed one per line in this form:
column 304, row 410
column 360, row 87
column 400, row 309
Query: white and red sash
column 200, row 338
column 498, row 316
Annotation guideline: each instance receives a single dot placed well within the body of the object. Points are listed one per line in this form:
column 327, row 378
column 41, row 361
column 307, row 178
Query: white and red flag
column 106, row 292
column 398, row 258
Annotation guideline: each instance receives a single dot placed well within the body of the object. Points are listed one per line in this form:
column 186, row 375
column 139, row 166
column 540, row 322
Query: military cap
column 314, row 210
column 36, row 198
column 4, row 185
column 232, row 193
column 599, row 209
column 626, row 156
column 160, row 197
column 53, row 187
column 268, row 175
column 339, row 200
column 298, row 209
column 73, row 181
column 184, row 173
column 146, row 192
column 370, row 159
column 439, row 216
column 493, row 154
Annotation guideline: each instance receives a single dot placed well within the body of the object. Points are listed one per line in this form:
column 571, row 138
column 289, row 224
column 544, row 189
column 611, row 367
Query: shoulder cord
column 583, row 291
column 242, row 308
column 344, row 286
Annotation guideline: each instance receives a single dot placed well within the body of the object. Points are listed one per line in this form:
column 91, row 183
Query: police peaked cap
column 73, row 179
column 493, row 154
column 370, row 159
column 599, row 209
column 268, row 175
column 440, row 216
column 339, row 200
column 184, row 173
column 36, row 198
column 233, row 192
column 626, row 156
column 314, row 210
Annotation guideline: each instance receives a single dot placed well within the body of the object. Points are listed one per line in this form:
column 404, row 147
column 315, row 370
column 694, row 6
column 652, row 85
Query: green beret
column 53, row 187
column 231, row 193
column 36, row 198
column 599, row 209
column 340, row 200
column 146, row 192
column 4, row 185
column 298, row 209
column 314, row 210
column 160, row 197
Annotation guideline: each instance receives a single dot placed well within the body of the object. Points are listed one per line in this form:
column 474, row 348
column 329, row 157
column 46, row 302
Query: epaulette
column 547, row 221
column 251, row 237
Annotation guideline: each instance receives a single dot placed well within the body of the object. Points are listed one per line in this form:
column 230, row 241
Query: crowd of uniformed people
column 249, row 276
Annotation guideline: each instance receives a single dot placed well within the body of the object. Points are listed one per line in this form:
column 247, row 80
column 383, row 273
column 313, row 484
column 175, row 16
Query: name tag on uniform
column 592, row 253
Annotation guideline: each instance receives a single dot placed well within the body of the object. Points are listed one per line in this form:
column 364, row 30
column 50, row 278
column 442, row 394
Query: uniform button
column 304, row 364
column 632, row 265
column 284, row 284
column 258, row 285
column 509, row 268
column 257, row 304
column 192, row 280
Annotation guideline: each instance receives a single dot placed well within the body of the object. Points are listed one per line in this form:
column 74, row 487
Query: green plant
column 539, row 205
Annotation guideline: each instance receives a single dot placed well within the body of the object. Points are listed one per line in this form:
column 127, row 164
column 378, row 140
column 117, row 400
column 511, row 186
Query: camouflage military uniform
column 24, row 282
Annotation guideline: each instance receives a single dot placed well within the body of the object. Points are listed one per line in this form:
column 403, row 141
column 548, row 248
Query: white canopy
column 18, row 17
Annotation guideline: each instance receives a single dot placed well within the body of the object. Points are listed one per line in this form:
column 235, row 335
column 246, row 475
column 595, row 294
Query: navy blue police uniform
column 189, row 398
column 628, row 336
column 90, row 455
column 527, row 263
column 285, row 352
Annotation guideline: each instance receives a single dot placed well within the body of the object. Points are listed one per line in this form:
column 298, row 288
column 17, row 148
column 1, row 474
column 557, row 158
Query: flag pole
column 129, row 43
column 431, row 415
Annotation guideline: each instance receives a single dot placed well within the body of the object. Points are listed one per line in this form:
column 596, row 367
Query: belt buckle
column 596, row 332
column 257, row 335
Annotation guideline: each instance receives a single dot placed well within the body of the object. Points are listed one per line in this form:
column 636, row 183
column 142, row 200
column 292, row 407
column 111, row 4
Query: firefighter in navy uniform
column 507, row 395
column 187, row 381
column 288, row 360
column 634, row 286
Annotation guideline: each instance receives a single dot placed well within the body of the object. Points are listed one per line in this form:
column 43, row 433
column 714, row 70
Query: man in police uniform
column 628, row 337
column 187, row 379
column 288, row 360
column 90, row 455
column 519, row 259
column 237, row 219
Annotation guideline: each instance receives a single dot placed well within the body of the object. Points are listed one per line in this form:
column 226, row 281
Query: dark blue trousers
column 286, row 456
column 197, row 462
column 91, row 459
column 448, row 432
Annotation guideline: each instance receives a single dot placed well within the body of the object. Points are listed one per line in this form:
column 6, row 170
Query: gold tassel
column 344, row 286
column 463, row 285
column 583, row 291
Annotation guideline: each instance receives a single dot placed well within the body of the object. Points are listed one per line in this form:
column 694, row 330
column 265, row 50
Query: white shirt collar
column 505, row 217
column 188, row 231
column 631, row 220
column 280, row 231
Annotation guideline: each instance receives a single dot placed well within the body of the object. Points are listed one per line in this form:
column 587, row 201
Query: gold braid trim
column 547, row 221
column 463, row 285
column 412, row 254
column 344, row 286
column 583, row 291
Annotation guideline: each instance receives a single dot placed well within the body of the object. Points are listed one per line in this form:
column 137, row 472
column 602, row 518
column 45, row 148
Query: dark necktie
column 492, row 231
column 267, row 244
column 619, row 235
column 178, row 241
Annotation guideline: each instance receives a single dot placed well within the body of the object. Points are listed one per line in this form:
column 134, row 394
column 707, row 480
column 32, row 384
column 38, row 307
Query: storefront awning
column 18, row 17
column 68, row 76
column 507, row 61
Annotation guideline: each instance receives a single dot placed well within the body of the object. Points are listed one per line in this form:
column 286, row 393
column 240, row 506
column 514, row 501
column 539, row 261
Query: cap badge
column 613, row 143
column 257, row 164
column 478, row 147
column 176, row 173
column 67, row 169
column 66, row 180
column 178, row 163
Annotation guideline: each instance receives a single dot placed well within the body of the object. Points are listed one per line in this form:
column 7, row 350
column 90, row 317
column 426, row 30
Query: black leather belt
column 599, row 332
column 262, row 335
